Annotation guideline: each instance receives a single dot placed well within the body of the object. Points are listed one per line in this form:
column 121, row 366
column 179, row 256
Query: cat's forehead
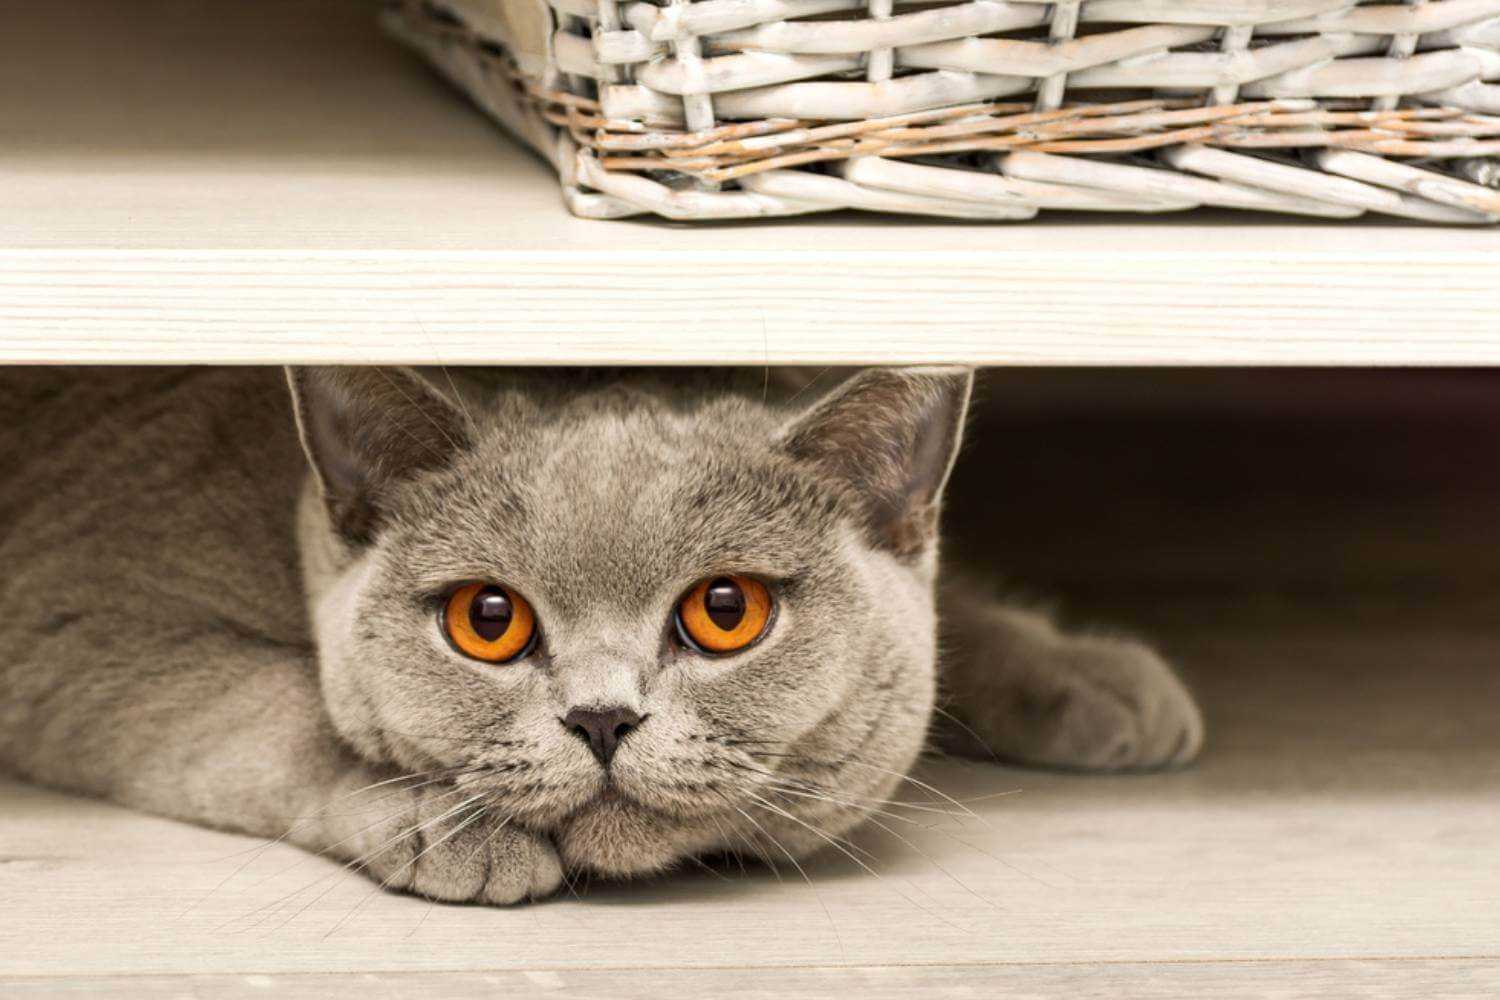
column 620, row 501
column 622, row 451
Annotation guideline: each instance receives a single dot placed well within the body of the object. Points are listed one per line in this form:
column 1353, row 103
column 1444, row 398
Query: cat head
column 650, row 625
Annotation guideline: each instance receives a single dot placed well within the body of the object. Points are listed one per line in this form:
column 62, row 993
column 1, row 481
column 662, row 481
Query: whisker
column 787, row 785
column 752, row 846
column 709, row 868
column 356, row 864
column 860, row 800
column 843, row 952
column 932, row 829
column 258, row 852
column 926, row 788
column 965, row 811
column 483, row 845
column 965, row 727
column 863, row 808
column 852, row 857
column 968, row 812
column 725, row 837
column 934, row 862
column 427, row 416
column 837, row 842
column 458, row 397
column 308, row 855
column 271, row 907
column 808, row 385
column 570, row 879
column 476, row 740
column 1013, row 867
column 867, row 817
column 323, row 810
column 453, row 775
column 385, row 883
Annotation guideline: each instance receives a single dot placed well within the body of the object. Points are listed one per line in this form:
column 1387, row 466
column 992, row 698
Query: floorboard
column 1339, row 829
column 1370, row 979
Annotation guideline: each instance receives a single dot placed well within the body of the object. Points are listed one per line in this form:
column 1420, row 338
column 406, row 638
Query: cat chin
column 621, row 839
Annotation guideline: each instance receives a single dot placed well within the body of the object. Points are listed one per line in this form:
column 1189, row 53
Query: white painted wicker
column 989, row 109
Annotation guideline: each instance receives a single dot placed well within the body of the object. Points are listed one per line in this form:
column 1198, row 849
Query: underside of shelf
column 281, row 182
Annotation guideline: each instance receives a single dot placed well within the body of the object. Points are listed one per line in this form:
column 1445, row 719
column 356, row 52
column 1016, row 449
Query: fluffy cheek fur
column 399, row 696
column 858, row 755
column 335, row 609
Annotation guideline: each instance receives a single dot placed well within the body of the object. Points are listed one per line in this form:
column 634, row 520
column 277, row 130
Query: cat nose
column 602, row 728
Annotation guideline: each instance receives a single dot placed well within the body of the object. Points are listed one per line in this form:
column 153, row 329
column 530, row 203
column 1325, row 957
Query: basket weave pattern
column 989, row 109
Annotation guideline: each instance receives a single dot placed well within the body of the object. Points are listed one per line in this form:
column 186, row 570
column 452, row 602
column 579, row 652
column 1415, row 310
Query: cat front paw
column 1122, row 709
column 440, row 850
column 1090, row 703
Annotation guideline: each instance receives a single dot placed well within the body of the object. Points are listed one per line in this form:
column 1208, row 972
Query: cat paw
column 455, row 856
column 1120, row 707
column 1094, row 704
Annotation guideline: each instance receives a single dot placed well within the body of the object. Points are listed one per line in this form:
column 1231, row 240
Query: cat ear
column 365, row 429
column 891, row 435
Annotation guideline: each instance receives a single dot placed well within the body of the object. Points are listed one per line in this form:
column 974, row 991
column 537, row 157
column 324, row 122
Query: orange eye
column 724, row 614
column 489, row 622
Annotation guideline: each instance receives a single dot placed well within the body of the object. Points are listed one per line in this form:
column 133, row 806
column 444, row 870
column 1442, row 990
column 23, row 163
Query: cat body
column 217, row 612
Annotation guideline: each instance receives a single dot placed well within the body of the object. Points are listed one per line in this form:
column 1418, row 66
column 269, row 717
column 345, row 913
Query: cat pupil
column 490, row 614
column 725, row 604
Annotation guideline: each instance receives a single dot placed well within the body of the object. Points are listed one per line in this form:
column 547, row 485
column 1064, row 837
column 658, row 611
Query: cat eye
column 724, row 614
column 485, row 621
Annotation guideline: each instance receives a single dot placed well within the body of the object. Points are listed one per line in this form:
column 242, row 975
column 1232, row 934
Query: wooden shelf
column 277, row 182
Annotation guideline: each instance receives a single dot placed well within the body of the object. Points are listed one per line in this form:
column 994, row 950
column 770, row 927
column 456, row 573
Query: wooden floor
column 1338, row 839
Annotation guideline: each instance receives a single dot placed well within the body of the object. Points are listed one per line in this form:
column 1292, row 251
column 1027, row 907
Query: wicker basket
column 989, row 109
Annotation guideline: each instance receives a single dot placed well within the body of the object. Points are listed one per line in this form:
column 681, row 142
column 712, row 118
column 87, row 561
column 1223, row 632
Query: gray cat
column 516, row 623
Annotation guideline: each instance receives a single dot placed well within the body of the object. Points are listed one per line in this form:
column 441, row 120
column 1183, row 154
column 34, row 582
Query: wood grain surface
column 1337, row 840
